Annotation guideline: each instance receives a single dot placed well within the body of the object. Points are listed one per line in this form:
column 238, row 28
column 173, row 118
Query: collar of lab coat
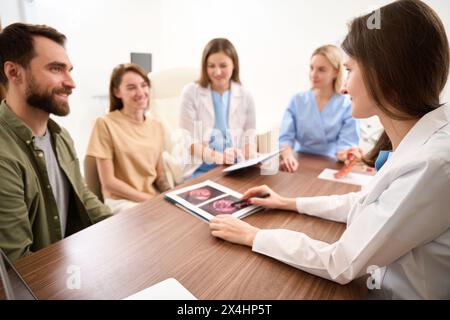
column 235, row 95
column 234, row 87
column 424, row 129
column 405, row 152
column 417, row 136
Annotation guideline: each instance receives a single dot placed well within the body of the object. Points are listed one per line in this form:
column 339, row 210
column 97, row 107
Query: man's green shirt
column 29, row 218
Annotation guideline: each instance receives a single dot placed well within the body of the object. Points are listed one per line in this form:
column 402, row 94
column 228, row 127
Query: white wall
column 101, row 34
column 274, row 39
column 10, row 12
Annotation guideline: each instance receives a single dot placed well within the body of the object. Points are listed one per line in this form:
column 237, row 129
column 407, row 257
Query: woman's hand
column 350, row 154
column 288, row 161
column 353, row 157
column 229, row 156
column 232, row 229
column 274, row 201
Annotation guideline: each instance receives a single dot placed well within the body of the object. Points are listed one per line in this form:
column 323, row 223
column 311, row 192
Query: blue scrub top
column 383, row 156
column 306, row 129
column 219, row 140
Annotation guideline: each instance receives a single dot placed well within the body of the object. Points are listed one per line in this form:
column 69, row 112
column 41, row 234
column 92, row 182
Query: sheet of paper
column 252, row 162
column 351, row 178
column 169, row 289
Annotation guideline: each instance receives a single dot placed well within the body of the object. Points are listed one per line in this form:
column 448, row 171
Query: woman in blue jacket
column 319, row 120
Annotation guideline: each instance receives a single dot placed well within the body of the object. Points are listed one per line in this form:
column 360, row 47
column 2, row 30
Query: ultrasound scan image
column 222, row 206
column 200, row 195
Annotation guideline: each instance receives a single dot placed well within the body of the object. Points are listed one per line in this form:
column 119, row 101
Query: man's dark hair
column 16, row 44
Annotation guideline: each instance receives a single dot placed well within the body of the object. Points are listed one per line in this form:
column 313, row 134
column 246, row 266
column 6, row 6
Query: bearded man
column 43, row 197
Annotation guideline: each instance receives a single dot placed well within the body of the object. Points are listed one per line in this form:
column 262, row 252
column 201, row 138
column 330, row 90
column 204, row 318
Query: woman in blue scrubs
column 319, row 120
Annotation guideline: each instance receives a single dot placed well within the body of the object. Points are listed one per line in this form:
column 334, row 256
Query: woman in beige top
column 128, row 145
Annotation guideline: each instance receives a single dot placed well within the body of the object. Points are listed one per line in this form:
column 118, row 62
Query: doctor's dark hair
column 216, row 46
column 116, row 79
column 404, row 64
column 17, row 45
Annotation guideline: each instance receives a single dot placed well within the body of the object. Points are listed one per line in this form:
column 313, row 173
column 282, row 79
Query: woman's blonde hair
column 334, row 56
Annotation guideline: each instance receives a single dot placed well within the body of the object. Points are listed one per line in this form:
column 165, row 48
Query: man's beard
column 47, row 101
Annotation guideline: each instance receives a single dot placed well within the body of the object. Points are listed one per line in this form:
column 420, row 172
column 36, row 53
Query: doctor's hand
column 232, row 229
column 273, row 201
column 230, row 155
column 288, row 161
column 347, row 155
column 354, row 157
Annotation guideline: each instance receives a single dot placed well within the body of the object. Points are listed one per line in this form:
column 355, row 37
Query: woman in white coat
column 217, row 113
column 398, row 225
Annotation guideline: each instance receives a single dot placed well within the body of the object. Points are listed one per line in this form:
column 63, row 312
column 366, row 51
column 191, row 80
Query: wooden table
column 156, row 240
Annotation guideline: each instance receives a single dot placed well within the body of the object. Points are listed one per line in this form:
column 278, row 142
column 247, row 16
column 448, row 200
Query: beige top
column 134, row 147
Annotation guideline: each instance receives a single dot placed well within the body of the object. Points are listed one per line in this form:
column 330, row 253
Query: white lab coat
column 197, row 117
column 399, row 222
